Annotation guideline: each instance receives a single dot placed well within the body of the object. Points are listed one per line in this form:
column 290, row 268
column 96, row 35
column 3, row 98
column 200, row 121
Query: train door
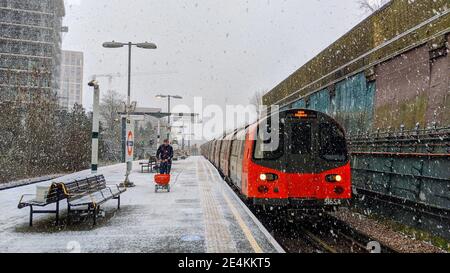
column 234, row 161
column 211, row 154
column 225, row 155
column 240, row 151
column 222, row 156
column 300, row 157
column 241, row 136
column 217, row 154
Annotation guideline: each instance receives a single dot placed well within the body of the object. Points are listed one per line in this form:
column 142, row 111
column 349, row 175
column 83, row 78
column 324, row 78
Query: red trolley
column 162, row 182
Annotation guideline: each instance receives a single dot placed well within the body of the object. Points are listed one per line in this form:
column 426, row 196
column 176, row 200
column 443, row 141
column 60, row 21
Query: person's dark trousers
column 164, row 168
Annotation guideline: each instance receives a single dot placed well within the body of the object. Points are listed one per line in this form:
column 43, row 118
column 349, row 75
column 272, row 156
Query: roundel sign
column 130, row 143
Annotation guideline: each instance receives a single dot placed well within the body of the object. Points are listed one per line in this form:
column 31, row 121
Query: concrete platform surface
column 200, row 214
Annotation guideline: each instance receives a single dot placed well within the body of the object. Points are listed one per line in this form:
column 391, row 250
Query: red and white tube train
column 309, row 166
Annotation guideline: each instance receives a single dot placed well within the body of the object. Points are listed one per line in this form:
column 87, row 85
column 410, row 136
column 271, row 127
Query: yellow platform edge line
column 243, row 225
column 248, row 234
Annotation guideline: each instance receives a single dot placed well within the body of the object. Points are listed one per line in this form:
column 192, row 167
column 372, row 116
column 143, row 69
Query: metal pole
column 159, row 133
column 124, row 138
column 168, row 118
column 129, row 165
column 129, row 80
column 95, row 129
column 182, row 135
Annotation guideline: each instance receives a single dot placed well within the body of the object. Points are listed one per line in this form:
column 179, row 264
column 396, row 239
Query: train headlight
column 268, row 177
column 333, row 178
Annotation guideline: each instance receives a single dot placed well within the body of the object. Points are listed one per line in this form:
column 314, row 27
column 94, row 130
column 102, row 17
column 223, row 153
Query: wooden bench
column 91, row 192
column 151, row 165
column 45, row 196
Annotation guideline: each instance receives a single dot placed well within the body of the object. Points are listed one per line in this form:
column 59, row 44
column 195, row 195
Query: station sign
column 129, row 149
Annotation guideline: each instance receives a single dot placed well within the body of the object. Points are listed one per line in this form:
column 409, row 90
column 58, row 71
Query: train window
column 269, row 149
column 301, row 138
column 332, row 143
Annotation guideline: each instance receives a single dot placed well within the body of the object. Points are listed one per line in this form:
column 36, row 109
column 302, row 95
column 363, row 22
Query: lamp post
column 168, row 108
column 145, row 45
column 189, row 137
column 95, row 125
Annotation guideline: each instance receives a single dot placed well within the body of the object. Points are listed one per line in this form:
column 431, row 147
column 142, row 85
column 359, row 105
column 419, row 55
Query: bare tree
column 145, row 138
column 112, row 103
column 370, row 6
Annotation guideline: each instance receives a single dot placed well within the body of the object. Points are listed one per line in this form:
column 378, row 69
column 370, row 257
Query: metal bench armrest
column 110, row 190
column 116, row 186
column 22, row 201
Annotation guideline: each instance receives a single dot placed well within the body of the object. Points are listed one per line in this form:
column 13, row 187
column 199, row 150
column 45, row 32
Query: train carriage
column 212, row 151
column 305, row 162
column 224, row 166
column 216, row 159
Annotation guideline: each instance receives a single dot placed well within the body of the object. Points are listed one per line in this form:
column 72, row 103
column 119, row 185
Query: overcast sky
column 222, row 50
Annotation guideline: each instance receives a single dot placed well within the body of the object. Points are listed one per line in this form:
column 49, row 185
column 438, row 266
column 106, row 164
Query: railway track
column 319, row 234
column 310, row 233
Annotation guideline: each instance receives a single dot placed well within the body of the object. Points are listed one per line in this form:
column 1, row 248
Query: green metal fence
column 413, row 165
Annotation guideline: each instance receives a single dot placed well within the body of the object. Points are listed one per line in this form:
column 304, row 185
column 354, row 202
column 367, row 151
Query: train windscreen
column 267, row 147
column 332, row 143
column 301, row 138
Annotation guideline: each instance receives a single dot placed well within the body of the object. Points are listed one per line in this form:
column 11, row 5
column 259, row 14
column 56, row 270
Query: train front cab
column 309, row 168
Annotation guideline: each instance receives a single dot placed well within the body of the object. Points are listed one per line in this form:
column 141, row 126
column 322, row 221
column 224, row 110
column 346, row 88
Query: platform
column 200, row 214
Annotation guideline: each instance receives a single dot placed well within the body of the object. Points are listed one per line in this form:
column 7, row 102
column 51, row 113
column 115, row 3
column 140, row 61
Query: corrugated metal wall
column 413, row 165
column 320, row 101
column 299, row 104
column 351, row 103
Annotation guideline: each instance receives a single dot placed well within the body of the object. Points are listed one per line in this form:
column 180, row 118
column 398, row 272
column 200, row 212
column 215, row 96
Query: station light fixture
column 113, row 44
column 147, row 45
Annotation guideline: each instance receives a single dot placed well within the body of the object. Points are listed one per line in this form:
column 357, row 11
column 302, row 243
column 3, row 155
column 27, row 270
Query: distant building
column 30, row 47
column 71, row 87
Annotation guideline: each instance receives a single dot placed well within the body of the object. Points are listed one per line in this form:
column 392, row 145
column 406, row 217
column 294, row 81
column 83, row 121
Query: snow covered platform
column 200, row 214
